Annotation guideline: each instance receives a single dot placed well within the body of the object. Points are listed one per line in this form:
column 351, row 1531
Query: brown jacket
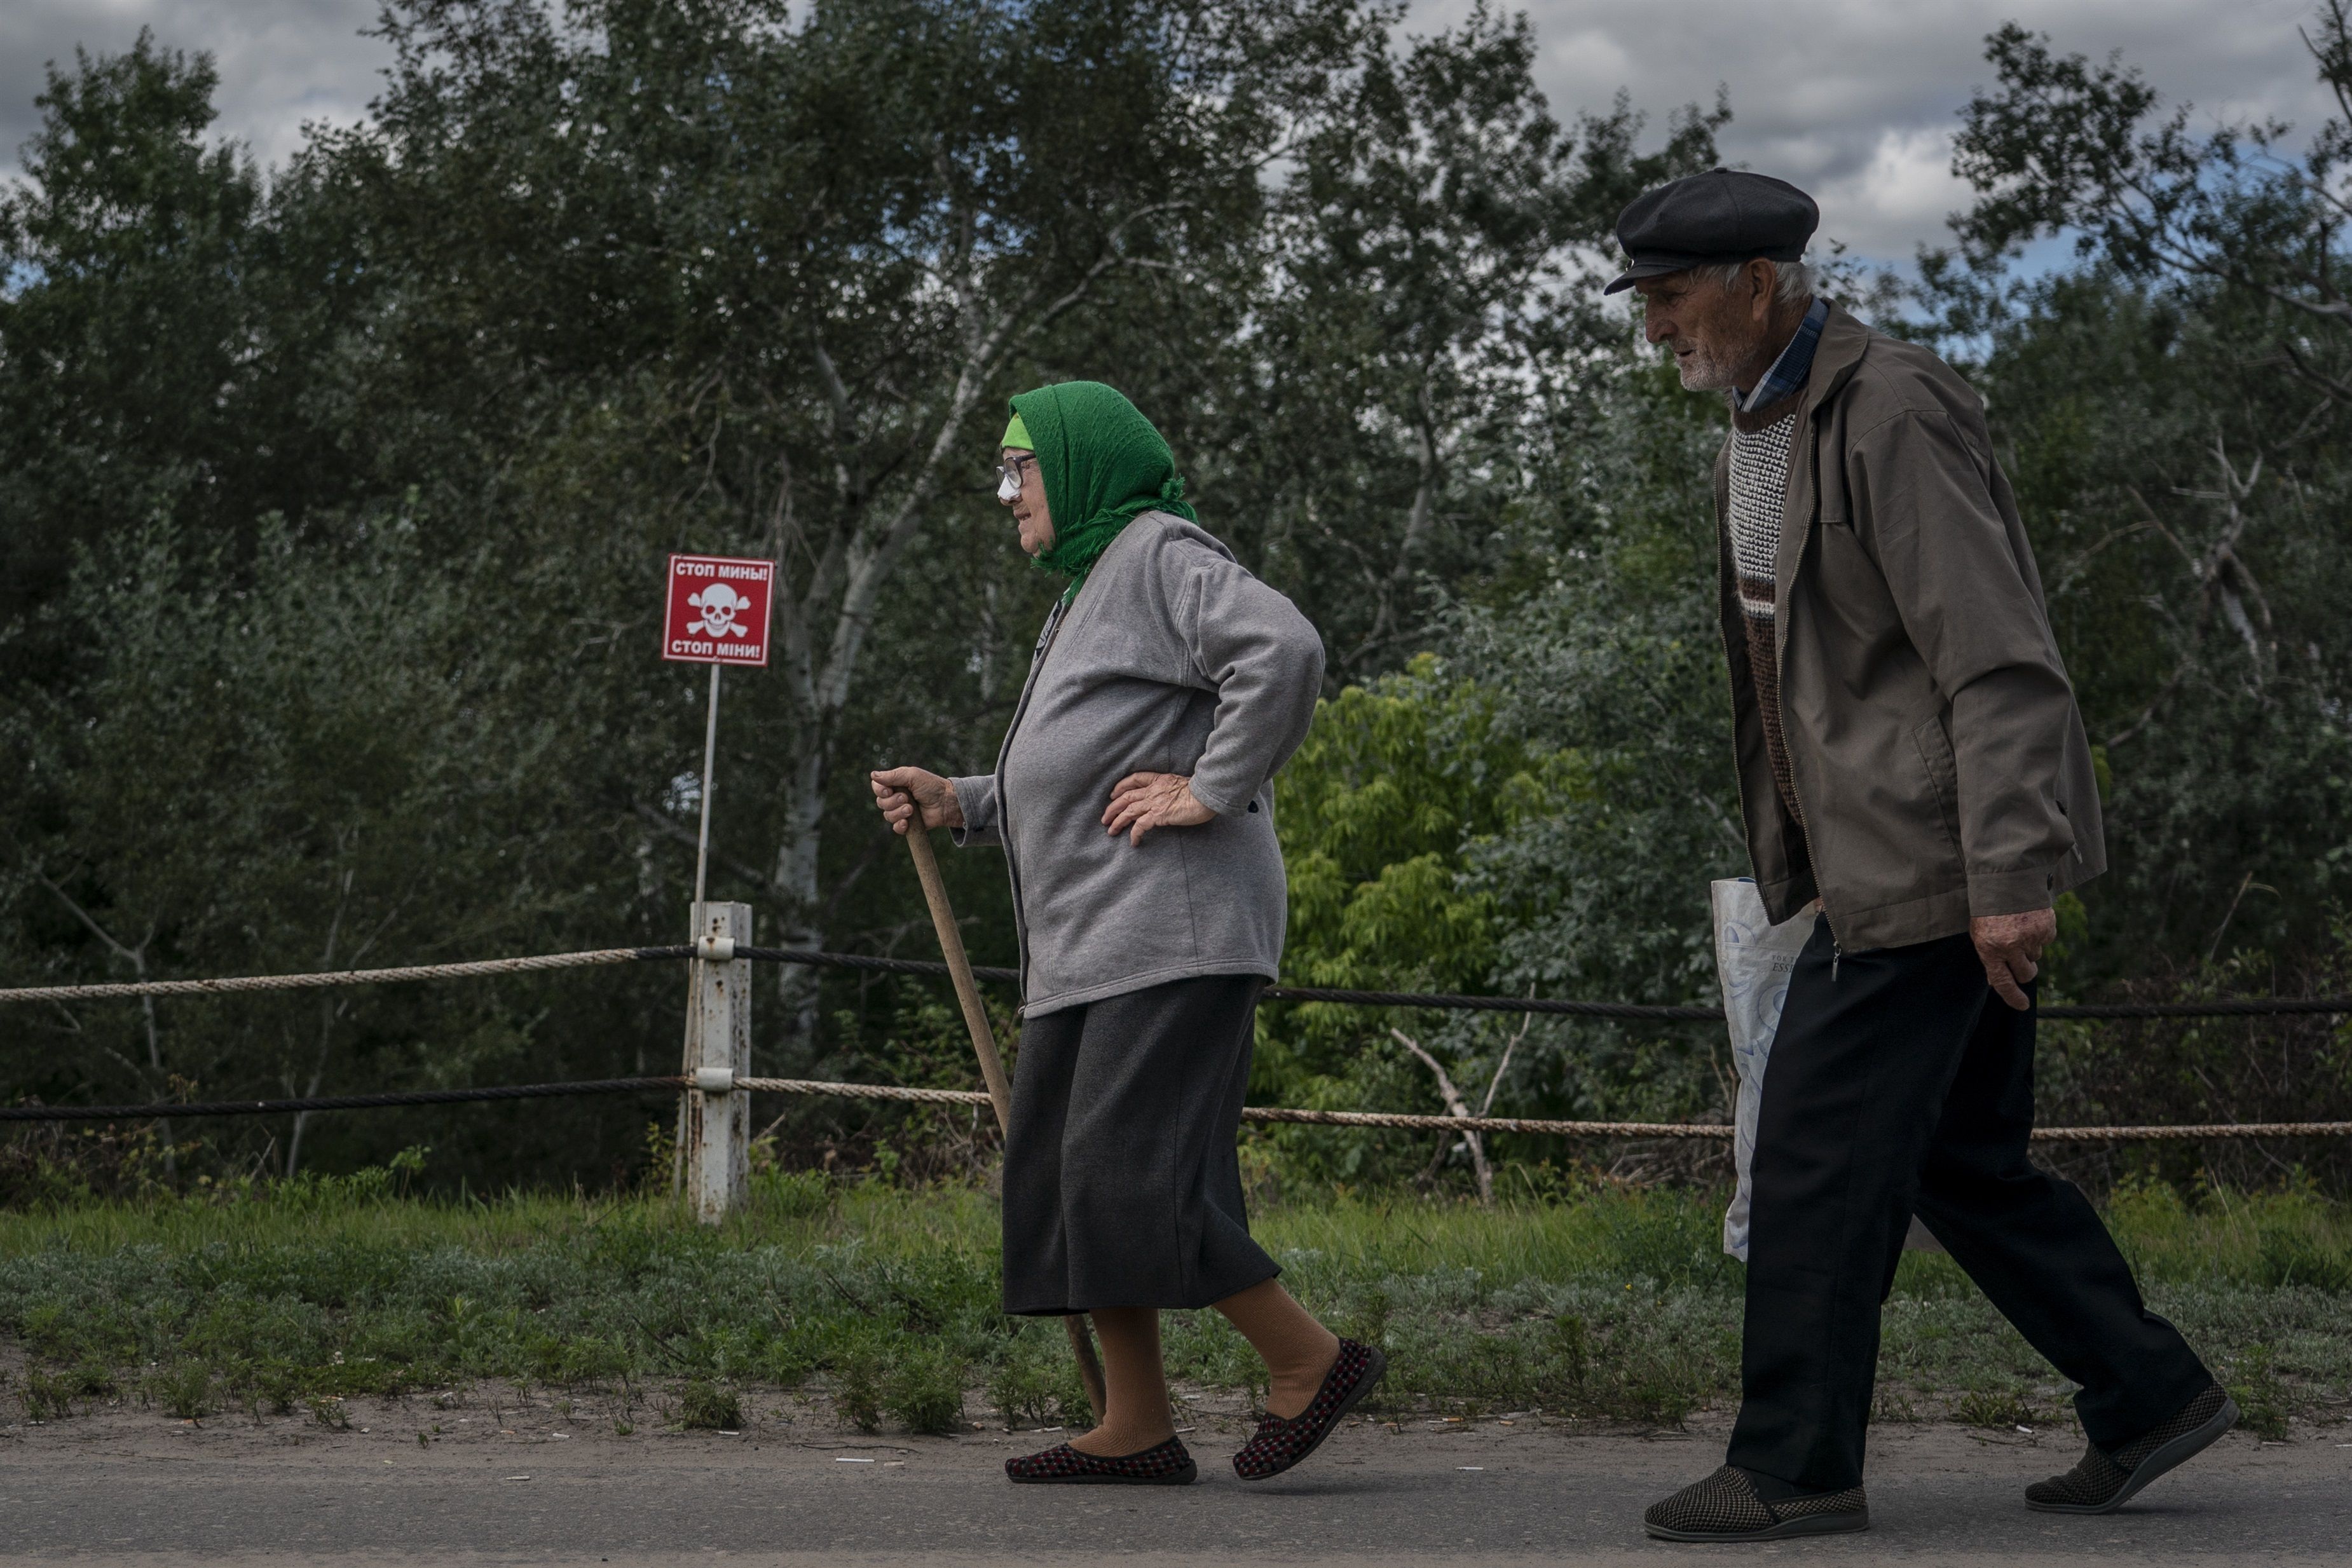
column 1939, row 761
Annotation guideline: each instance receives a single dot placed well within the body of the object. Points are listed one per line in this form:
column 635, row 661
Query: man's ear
column 1764, row 279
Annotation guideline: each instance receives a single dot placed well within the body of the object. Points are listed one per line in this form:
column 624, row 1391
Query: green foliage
column 1396, row 784
column 332, row 496
column 46, row 1396
column 706, row 1407
column 1395, row 781
column 1036, row 1381
column 856, row 1391
column 184, row 1391
column 923, row 1391
column 1427, row 306
column 2173, row 413
column 2261, row 1398
column 1616, row 1306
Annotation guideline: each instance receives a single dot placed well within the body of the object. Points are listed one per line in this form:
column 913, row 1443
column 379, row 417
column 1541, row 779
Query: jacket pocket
column 1943, row 776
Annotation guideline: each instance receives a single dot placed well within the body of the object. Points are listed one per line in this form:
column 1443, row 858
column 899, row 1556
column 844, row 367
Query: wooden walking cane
column 991, row 1066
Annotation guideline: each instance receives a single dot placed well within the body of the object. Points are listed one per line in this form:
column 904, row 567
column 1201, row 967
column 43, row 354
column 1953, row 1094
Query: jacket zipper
column 1012, row 863
column 1779, row 684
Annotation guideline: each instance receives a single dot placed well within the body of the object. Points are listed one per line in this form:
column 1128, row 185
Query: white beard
column 1703, row 372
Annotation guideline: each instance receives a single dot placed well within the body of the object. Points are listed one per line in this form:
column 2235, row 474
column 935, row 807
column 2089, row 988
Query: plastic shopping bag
column 1753, row 958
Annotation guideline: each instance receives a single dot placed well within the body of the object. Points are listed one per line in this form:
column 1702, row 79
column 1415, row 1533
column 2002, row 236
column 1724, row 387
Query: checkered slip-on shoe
column 1724, row 1506
column 2102, row 1482
column 1279, row 1444
column 1165, row 1465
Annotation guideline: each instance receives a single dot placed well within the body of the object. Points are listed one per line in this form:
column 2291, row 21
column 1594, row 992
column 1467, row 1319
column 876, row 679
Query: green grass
column 1614, row 1306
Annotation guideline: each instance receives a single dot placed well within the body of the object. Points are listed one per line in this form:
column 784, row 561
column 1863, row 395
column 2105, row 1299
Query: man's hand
column 1142, row 801
column 898, row 790
column 2010, row 946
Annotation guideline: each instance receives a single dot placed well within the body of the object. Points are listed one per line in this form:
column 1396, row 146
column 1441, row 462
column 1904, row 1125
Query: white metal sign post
column 715, row 614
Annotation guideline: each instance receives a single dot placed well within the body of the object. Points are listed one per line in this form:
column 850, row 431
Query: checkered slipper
column 1279, row 1444
column 1724, row 1506
column 1165, row 1465
column 2102, row 1482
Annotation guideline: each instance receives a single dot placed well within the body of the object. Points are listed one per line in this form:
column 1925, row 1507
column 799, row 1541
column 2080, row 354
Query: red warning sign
column 718, row 610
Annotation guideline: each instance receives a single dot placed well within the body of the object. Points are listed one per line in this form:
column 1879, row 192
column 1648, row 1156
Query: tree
column 293, row 761
column 124, row 335
column 1395, row 784
column 1427, row 279
column 2066, row 146
column 806, row 249
column 2173, row 413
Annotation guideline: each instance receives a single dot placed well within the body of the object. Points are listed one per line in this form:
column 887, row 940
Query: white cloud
column 282, row 62
column 1855, row 100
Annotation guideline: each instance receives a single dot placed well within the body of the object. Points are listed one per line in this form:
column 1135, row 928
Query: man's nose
column 1653, row 326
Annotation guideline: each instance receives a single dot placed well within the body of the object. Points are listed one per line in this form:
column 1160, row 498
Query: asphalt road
column 507, row 1488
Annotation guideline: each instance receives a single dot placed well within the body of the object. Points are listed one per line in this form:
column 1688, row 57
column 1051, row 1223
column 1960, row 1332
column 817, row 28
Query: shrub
column 706, row 1407
column 2291, row 1257
column 46, row 1398
column 2261, row 1397
column 924, row 1392
column 184, row 1390
column 857, row 1393
column 1038, row 1384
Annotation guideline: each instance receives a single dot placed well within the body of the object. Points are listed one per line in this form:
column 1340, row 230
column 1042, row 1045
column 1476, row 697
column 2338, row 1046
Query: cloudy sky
column 1852, row 99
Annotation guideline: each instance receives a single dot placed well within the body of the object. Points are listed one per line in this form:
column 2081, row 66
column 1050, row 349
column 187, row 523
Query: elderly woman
column 1133, row 799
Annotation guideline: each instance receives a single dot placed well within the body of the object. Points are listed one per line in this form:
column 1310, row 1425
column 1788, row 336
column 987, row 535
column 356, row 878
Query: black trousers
column 1899, row 1082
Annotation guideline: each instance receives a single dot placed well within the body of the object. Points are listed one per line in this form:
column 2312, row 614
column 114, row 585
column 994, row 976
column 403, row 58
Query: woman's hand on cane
column 900, row 790
column 1142, row 801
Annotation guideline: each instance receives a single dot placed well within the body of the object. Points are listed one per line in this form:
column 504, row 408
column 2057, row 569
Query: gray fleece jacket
column 1173, row 659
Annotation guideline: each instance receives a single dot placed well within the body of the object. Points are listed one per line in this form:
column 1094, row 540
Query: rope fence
column 903, row 1094
column 475, row 969
column 1400, row 1120
column 1642, row 1012
column 343, row 1102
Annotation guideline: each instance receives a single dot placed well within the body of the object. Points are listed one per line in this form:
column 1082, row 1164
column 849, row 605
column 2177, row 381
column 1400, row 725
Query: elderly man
column 1914, row 775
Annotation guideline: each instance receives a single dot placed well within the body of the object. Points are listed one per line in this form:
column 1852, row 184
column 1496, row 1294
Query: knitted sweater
column 1760, row 488
column 1763, row 435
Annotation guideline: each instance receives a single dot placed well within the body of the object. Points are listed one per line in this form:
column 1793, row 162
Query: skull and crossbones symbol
column 719, row 605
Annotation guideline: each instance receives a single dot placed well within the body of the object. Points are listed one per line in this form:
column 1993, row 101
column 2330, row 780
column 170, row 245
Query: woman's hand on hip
column 900, row 790
column 1142, row 801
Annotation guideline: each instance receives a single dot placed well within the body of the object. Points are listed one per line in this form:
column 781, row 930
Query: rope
column 1645, row 1012
column 2244, row 1007
column 1488, row 1124
column 2209, row 1130
column 340, row 1102
column 1453, row 1001
column 892, row 1092
column 472, row 969
column 1535, row 1126
column 865, row 1090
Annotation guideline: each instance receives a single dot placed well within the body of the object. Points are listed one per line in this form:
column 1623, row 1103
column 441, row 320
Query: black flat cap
column 1700, row 220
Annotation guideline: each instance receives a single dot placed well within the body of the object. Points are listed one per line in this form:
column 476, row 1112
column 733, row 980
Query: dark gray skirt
column 1122, row 1185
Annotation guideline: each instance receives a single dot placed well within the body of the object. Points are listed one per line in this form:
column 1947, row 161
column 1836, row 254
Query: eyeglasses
column 1009, row 477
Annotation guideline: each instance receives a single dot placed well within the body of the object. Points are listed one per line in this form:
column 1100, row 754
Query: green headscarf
column 1103, row 463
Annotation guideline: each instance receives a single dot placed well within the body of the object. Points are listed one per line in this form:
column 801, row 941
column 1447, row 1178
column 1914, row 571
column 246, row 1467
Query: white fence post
column 715, row 1120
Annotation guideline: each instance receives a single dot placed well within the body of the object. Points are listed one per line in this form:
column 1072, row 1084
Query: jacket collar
column 1839, row 355
column 1843, row 341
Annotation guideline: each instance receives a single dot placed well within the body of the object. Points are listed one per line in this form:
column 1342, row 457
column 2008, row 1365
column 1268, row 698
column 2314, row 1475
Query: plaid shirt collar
column 1789, row 372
